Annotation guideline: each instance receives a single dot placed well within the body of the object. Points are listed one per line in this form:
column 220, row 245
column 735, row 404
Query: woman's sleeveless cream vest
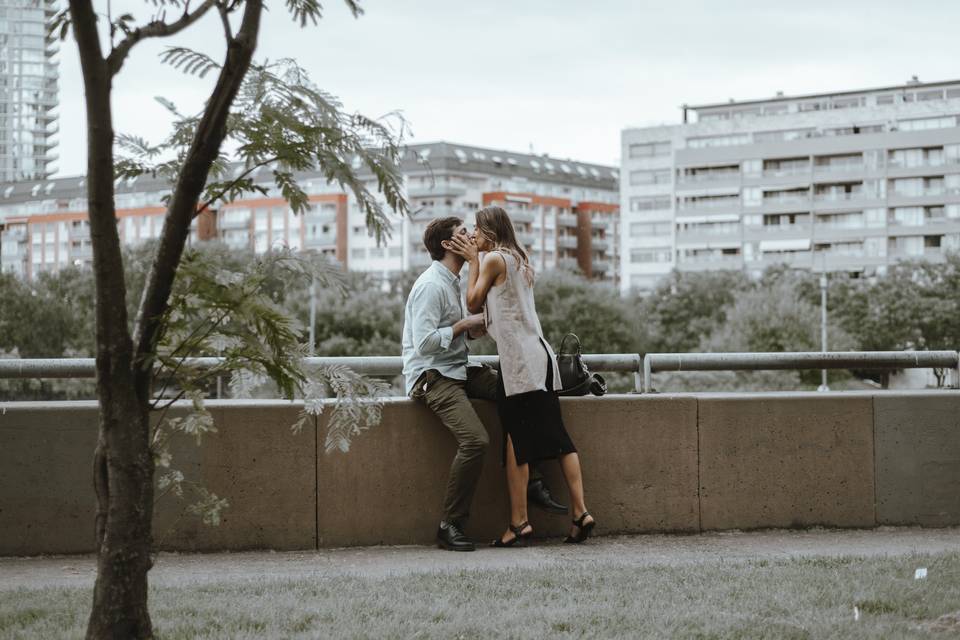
column 512, row 321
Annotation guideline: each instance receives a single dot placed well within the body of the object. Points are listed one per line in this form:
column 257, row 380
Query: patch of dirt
column 949, row 622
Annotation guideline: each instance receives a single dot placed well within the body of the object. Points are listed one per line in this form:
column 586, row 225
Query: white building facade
column 850, row 181
column 565, row 212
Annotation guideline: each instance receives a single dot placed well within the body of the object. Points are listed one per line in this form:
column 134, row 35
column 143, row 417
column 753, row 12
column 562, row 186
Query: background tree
column 605, row 322
column 687, row 307
column 276, row 118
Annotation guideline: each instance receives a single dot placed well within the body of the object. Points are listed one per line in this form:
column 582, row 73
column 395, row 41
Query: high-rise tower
column 28, row 90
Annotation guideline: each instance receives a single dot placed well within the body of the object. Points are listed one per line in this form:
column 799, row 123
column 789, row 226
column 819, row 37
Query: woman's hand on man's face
column 464, row 246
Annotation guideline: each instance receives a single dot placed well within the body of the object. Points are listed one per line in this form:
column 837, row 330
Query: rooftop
column 433, row 156
column 911, row 85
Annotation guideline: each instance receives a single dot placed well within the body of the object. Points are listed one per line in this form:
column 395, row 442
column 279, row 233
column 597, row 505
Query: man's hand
column 472, row 325
column 465, row 247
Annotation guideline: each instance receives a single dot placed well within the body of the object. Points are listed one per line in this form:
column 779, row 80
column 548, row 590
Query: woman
column 501, row 285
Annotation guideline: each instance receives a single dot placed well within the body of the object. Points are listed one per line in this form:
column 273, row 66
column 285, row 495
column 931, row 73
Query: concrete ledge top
column 59, row 405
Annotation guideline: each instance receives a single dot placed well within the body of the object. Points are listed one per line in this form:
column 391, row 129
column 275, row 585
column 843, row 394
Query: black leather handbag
column 575, row 378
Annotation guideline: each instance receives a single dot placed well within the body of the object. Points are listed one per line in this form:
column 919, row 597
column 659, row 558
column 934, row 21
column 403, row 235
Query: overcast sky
column 559, row 76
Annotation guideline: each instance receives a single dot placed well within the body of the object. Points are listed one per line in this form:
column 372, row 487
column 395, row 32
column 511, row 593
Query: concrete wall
column 685, row 462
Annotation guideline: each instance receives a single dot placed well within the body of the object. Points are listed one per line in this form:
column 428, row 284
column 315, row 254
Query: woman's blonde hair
column 495, row 224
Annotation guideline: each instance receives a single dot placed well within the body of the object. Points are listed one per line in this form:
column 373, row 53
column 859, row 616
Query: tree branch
column 206, row 205
column 225, row 18
column 153, row 29
column 204, row 150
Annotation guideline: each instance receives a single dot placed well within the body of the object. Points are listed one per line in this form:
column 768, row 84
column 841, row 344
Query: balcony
column 320, row 216
column 567, row 242
column 694, row 179
column 599, row 244
column 322, row 239
column 525, row 237
column 567, row 263
column 566, row 220
column 233, row 223
column 521, row 215
column 843, row 168
column 839, row 196
column 438, row 190
column 709, row 204
column 785, row 204
column 792, row 258
column 600, row 266
column 78, row 232
column 709, row 263
column 786, row 172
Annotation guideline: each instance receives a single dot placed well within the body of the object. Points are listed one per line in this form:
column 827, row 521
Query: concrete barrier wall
column 684, row 462
column 786, row 460
column 917, row 440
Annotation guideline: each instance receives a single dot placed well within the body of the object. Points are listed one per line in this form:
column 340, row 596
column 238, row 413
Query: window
column 752, row 167
column 846, row 103
column 647, row 150
column 780, row 136
column 921, row 124
column 752, row 196
column 358, row 254
column 875, row 217
column 650, row 204
column 886, row 98
column 656, row 254
column 642, row 229
column 907, row 216
column 936, row 94
column 658, row 176
column 719, row 141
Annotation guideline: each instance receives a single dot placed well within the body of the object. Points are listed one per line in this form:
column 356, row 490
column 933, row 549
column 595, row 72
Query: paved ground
column 734, row 546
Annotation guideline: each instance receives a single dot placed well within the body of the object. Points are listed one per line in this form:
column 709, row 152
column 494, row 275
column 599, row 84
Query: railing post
column 638, row 378
column 647, row 374
column 955, row 373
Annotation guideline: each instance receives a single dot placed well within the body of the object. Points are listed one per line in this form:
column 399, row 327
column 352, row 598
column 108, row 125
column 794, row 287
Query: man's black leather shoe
column 452, row 538
column 539, row 494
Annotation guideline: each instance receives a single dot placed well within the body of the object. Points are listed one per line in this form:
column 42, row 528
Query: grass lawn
column 803, row 598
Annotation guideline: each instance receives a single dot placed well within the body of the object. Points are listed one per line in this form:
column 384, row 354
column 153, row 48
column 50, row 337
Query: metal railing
column 367, row 365
column 865, row 360
column 643, row 368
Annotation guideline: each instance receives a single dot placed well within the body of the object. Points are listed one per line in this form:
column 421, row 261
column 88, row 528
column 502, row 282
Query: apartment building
column 566, row 213
column 849, row 181
column 28, row 90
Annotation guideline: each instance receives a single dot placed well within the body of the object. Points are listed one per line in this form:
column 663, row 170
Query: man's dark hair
column 436, row 232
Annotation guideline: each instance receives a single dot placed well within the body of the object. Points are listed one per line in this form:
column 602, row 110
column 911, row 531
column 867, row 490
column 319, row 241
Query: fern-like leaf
column 189, row 61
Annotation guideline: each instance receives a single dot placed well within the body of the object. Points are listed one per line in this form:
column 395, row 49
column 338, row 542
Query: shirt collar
column 447, row 275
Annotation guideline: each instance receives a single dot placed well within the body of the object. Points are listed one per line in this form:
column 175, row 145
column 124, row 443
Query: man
column 436, row 372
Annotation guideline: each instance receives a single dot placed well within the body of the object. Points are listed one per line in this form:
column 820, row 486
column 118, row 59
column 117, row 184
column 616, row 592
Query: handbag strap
column 564, row 341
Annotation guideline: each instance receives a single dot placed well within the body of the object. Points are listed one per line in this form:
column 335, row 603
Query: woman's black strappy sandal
column 583, row 529
column 518, row 536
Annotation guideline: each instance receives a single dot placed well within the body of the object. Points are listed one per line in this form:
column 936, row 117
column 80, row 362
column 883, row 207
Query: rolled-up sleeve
column 427, row 307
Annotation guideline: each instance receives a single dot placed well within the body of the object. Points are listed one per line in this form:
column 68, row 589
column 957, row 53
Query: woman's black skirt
column 533, row 422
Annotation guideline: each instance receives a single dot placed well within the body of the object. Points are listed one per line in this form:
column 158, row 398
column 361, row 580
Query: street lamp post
column 823, row 328
column 313, row 313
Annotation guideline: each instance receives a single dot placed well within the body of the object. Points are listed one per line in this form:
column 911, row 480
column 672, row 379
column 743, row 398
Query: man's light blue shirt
column 433, row 307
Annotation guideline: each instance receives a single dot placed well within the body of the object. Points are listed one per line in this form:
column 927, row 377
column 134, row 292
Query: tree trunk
column 123, row 465
column 123, row 462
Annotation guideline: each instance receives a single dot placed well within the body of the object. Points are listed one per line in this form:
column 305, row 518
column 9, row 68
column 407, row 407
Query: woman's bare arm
column 483, row 274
